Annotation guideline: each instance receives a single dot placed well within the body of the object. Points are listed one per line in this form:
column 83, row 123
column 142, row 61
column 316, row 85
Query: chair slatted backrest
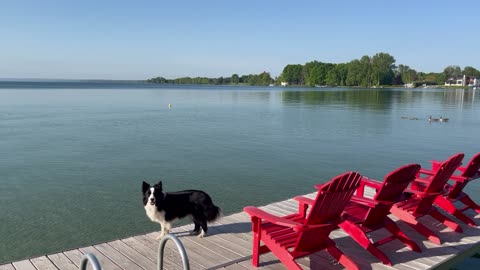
column 471, row 171
column 472, row 167
column 391, row 192
column 329, row 204
column 438, row 182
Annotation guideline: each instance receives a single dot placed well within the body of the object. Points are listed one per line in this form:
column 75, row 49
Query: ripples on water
column 73, row 157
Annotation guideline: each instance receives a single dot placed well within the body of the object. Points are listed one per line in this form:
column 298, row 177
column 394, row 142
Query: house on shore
column 464, row 81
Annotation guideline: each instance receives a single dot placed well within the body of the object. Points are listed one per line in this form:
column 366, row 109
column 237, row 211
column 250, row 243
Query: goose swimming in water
column 430, row 119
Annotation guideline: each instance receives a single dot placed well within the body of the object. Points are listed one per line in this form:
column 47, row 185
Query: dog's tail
column 214, row 213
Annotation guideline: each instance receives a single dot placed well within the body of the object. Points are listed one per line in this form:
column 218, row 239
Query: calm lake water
column 74, row 155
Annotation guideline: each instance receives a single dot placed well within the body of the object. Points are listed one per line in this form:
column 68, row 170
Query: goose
column 430, row 119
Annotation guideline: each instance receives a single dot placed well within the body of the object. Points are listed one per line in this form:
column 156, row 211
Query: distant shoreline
column 76, row 84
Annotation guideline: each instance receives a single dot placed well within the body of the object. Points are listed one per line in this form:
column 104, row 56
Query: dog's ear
column 159, row 186
column 145, row 186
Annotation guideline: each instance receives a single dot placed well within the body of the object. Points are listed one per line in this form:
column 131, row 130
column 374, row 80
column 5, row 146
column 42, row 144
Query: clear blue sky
column 98, row 39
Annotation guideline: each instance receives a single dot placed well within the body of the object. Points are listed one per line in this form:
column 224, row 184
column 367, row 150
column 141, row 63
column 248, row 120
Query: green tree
column 264, row 79
column 382, row 68
column 293, row 74
column 336, row 75
column 235, row 79
column 354, row 73
column 365, row 76
column 407, row 74
column 342, row 72
column 471, row 72
column 452, row 72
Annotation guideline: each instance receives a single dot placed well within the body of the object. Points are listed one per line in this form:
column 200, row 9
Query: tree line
column 368, row 71
column 262, row 79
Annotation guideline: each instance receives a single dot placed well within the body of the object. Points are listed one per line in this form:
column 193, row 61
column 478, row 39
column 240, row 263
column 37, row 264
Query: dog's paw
column 193, row 233
column 160, row 236
column 202, row 234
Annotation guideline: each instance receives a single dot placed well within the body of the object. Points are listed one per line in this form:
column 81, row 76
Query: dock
column 228, row 246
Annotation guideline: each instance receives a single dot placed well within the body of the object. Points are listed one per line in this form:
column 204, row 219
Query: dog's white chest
column 154, row 214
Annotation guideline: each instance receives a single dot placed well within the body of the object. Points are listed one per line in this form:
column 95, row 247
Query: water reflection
column 365, row 99
column 380, row 99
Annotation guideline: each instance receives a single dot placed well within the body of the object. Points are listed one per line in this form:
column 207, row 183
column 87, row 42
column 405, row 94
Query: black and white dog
column 164, row 208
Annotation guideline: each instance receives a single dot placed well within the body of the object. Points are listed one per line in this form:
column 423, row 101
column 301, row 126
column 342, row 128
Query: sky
column 136, row 40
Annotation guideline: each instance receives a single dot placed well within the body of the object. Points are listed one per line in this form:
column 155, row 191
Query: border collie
column 164, row 208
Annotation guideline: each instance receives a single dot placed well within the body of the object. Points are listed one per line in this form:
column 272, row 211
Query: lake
column 74, row 155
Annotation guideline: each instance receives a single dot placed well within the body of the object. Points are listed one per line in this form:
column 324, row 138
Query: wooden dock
column 228, row 246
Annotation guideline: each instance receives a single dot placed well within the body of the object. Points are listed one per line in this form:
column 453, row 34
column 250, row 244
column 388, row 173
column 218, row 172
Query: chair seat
column 283, row 236
column 358, row 213
column 410, row 206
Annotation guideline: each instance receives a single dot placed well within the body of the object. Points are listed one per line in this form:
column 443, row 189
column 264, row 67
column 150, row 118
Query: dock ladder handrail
column 93, row 262
column 181, row 249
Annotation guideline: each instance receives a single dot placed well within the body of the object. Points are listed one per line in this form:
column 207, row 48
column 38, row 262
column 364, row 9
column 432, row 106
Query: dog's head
column 152, row 195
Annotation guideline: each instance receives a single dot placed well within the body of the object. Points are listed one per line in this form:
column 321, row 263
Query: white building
column 456, row 82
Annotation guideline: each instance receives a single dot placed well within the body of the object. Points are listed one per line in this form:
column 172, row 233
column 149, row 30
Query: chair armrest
column 304, row 200
column 259, row 213
column 364, row 201
column 371, row 182
column 459, row 178
column 365, row 181
column 303, row 204
column 369, row 202
column 412, row 191
column 422, row 180
column 462, row 169
column 320, row 186
column 425, row 171
column 421, row 193
column 436, row 164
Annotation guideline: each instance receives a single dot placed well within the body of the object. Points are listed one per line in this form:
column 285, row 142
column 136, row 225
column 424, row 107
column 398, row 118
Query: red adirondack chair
column 455, row 190
column 420, row 202
column 365, row 215
column 298, row 235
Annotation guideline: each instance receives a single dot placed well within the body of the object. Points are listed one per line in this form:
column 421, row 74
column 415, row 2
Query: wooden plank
column 233, row 226
column 132, row 255
column 235, row 266
column 245, row 246
column 197, row 254
column 62, row 262
column 105, row 262
column 24, row 265
column 218, row 245
column 7, row 267
column 43, row 263
column 117, row 257
column 74, row 255
column 141, row 248
column 171, row 254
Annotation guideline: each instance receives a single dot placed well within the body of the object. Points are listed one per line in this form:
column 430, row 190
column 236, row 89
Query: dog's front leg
column 162, row 231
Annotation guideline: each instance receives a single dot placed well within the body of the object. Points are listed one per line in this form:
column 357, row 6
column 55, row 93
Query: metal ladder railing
column 88, row 257
column 181, row 249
